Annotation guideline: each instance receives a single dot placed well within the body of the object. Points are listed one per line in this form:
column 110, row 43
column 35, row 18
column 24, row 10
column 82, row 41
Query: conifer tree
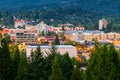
column 77, row 74
column 37, row 65
column 56, row 41
column 22, row 68
column 103, row 64
column 16, row 60
column 6, row 68
column 49, row 59
column 56, row 71
column 66, row 66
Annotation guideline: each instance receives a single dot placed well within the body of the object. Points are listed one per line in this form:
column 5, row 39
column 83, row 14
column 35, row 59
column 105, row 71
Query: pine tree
column 49, row 59
column 6, row 68
column 103, row 64
column 22, row 68
column 66, row 66
column 37, row 65
column 77, row 74
column 16, row 60
column 56, row 71
column 56, row 41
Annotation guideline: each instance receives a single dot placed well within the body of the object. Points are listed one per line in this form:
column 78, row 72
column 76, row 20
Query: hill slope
column 99, row 6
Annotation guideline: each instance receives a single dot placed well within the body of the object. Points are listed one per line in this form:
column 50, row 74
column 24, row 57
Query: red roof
column 5, row 30
column 17, row 20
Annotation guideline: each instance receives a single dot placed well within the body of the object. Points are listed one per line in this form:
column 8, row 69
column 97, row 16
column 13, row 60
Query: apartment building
column 26, row 36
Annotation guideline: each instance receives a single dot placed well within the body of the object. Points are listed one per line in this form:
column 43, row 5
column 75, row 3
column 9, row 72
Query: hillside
column 84, row 12
column 98, row 6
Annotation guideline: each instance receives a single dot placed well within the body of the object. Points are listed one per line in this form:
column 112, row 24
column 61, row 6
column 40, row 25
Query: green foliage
column 66, row 66
column 6, row 68
column 56, row 71
column 7, row 37
column 36, row 66
column 77, row 73
column 15, row 60
column 103, row 64
column 49, row 59
column 22, row 68
column 56, row 41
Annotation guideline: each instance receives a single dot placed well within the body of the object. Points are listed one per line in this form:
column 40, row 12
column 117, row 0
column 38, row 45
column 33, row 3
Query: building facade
column 19, row 23
column 102, row 24
column 62, row 49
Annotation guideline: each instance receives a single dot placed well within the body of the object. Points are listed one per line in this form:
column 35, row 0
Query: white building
column 102, row 24
column 42, row 27
column 20, row 23
column 62, row 49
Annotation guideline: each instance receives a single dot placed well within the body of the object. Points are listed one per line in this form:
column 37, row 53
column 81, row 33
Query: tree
column 66, row 66
column 56, row 41
column 56, row 71
column 22, row 68
column 63, row 28
column 6, row 67
column 36, row 67
column 16, row 60
column 103, row 64
column 49, row 60
column 77, row 74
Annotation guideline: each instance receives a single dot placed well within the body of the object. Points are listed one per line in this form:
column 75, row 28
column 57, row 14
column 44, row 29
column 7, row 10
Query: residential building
column 26, row 36
column 19, row 23
column 102, row 24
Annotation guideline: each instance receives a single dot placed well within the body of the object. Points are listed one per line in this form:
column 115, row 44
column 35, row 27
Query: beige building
column 102, row 24
column 26, row 36
column 62, row 49
column 71, row 35
column 100, row 36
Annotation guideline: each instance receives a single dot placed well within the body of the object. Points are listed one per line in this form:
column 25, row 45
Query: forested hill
column 99, row 6
column 85, row 12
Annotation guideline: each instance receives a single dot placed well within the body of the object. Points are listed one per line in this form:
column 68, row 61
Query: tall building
column 102, row 24
column 42, row 27
column 19, row 23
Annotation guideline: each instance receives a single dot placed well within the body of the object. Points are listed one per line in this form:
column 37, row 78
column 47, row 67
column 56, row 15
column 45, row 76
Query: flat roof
column 57, row 46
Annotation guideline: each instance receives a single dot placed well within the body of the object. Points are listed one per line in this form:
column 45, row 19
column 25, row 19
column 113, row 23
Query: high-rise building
column 102, row 24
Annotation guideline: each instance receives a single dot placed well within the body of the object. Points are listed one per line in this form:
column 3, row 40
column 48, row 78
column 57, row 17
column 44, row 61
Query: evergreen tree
column 77, row 74
column 37, row 65
column 49, row 59
column 56, row 41
column 6, row 67
column 56, row 71
column 16, row 60
column 63, row 28
column 22, row 68
column 66, row 66
column 103, row 64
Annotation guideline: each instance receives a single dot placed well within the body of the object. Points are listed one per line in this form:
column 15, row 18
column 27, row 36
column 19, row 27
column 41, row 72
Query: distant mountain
column 97, row 6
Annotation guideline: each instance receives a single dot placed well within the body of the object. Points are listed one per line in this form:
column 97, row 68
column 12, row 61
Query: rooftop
column 58, row 46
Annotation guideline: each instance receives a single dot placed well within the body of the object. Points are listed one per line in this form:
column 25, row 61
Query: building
column 71, row 35
column 90, row 35
column 19, row 23
column 102, row 24
column 26, row 36
column 42, row 27
column 62, row 49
